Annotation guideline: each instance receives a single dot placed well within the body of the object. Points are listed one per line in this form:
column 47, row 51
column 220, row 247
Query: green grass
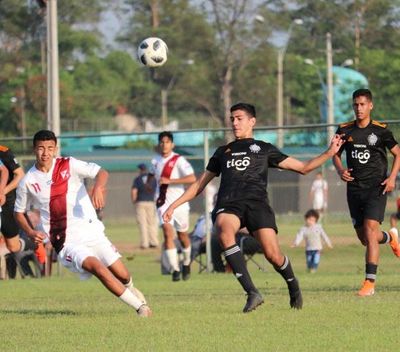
column 61, row 313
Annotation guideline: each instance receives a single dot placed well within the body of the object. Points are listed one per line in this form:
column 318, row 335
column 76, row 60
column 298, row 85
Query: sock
column 235, row 259
column 186, row 255
column 370, row 271
column 385, row 239
column 129, row 285
column 286, row 272
column 130, row 299
column 172, row 255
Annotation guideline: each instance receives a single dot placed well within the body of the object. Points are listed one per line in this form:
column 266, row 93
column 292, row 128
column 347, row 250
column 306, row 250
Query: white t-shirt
column 181, row 169
column 66, row 211
column 319, row 187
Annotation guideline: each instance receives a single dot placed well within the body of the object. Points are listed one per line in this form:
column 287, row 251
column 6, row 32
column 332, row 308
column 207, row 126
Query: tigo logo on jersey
column 239, row 164
column 362, row 156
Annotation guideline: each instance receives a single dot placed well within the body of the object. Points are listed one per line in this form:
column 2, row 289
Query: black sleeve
column 9, row 161
column 214, row 164
column 275, row 156
column 388, row 139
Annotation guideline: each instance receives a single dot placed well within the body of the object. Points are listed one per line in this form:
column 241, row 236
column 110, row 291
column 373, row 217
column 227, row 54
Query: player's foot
column 144, row 311
column 185, row 272
column 176, row 276
column 394, row 241
column 296, row 299
column 368, row 289
column 254, row 299
column 139, row 294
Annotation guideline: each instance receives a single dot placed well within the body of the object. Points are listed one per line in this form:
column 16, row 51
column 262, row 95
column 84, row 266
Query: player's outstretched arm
column 193, row 191
column 99, row 189
column 390, row 182
column 19, row 173
column 304, row 167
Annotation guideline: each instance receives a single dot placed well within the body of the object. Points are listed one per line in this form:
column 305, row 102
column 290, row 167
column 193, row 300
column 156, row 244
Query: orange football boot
column 368, row 289
column 394, row 242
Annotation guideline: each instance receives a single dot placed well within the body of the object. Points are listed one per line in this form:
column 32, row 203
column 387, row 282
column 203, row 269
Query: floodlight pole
column 53, row 87
column 330, row 97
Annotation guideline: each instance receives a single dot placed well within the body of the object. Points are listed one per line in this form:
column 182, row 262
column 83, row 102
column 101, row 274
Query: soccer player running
column 68, row 216
column 243, row 200
column 368, row 181
column 172, row 172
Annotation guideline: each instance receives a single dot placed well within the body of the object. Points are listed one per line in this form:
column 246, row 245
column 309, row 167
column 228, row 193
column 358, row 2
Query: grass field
column 61, row 313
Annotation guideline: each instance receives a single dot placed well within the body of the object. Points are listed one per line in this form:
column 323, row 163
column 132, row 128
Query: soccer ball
column 152, row 52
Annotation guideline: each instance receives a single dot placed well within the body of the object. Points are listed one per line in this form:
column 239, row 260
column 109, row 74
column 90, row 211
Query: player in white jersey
column 68, row 218
column 172, row 171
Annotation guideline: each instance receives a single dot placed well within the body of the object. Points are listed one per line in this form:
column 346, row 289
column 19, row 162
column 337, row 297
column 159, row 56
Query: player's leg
column 181, row 223
column 316, row 260
column 268, row 240
column 309, row 260
column 171, row 251
column 227, row 226
column 10, row 230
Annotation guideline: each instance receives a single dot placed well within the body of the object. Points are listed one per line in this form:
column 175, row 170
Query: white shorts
column 180, row 218
column 73, row 255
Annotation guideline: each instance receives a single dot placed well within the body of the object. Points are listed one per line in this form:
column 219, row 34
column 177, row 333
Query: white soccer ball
column 152, row 52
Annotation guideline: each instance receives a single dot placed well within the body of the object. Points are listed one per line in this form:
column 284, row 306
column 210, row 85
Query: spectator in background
column 142, row 196
column 313, row 234
column 319, row 193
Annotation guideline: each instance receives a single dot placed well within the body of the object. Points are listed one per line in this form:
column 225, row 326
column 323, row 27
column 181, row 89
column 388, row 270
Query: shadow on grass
column 39, row 312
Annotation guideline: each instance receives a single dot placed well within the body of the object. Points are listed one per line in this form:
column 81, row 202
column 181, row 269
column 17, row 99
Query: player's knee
column 275, row 258
column 13, row 244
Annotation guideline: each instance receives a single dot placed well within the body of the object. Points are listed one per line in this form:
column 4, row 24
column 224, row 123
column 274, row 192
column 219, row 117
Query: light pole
column 329, row 90
column 279, row 88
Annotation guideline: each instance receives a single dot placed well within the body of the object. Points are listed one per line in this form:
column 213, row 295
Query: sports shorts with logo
column 180, row 218
column 366, row 204
column 253, row 214
column 73, row 255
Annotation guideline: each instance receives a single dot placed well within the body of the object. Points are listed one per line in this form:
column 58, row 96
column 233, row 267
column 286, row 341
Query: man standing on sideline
column 142, row 195
column 319, row 194
column 243, row 199
column 368, row 181
column 69, row 218
column 9, row 227
column 172, row 172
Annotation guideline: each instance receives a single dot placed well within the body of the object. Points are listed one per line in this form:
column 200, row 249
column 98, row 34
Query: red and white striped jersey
column 66, row 211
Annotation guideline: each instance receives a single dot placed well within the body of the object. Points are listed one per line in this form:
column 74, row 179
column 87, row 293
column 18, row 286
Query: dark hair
column 250, row 109
column 311, row 214
column 363, row 92
column 167, row 134
column 44, row 135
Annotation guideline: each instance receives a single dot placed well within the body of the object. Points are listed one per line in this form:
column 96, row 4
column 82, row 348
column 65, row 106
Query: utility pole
column 329, row 93
column 53, row 87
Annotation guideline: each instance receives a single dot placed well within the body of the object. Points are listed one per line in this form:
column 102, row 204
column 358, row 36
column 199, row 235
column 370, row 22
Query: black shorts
column 9, row 227
column 366, row 204
column 253, row 215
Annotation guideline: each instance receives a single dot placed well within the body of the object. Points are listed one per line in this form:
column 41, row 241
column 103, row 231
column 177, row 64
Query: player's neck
column 44, row 167
column 362, row 123
column 167, row 155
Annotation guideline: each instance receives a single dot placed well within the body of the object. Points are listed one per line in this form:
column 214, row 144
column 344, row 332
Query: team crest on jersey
column 254, row 148
column 372, row 139
column 64, row 174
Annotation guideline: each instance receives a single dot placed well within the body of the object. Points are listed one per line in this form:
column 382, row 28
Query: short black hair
column 363, row 92
column 167, row 134
column 250, row 109
column 312, row 213
column 44, row 135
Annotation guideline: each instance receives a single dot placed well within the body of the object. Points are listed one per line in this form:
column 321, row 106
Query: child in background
column 313, row 233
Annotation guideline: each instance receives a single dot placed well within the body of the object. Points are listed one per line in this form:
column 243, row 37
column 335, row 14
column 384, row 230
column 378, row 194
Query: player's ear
column 372, row 105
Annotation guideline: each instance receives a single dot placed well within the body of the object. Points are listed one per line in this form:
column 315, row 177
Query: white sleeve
column 184, row 167
column 23, row 200
column 325, row 237
column 84, row 169
column 299, row 237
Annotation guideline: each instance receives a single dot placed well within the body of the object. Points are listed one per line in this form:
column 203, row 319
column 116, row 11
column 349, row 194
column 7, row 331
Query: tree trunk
column 226, row 93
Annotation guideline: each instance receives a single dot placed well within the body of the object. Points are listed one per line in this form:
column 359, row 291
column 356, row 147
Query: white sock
column 393, row 229
column 130, row 299
column 129, row 284
column 172, row 255
column 186, row 255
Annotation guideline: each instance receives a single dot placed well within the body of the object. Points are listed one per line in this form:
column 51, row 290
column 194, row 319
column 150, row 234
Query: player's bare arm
column 18, row 175
column 37, row 236
column 390, row 182
column 344, row 173
column 193, row 191
column 175, row 181
column 3, row 183
column 304, row 167
column 99, row 189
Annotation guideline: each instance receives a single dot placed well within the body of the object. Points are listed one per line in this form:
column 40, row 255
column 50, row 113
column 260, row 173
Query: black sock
column 235, row 259
column 286, row 272
column 370, row 271
column 385, row 239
